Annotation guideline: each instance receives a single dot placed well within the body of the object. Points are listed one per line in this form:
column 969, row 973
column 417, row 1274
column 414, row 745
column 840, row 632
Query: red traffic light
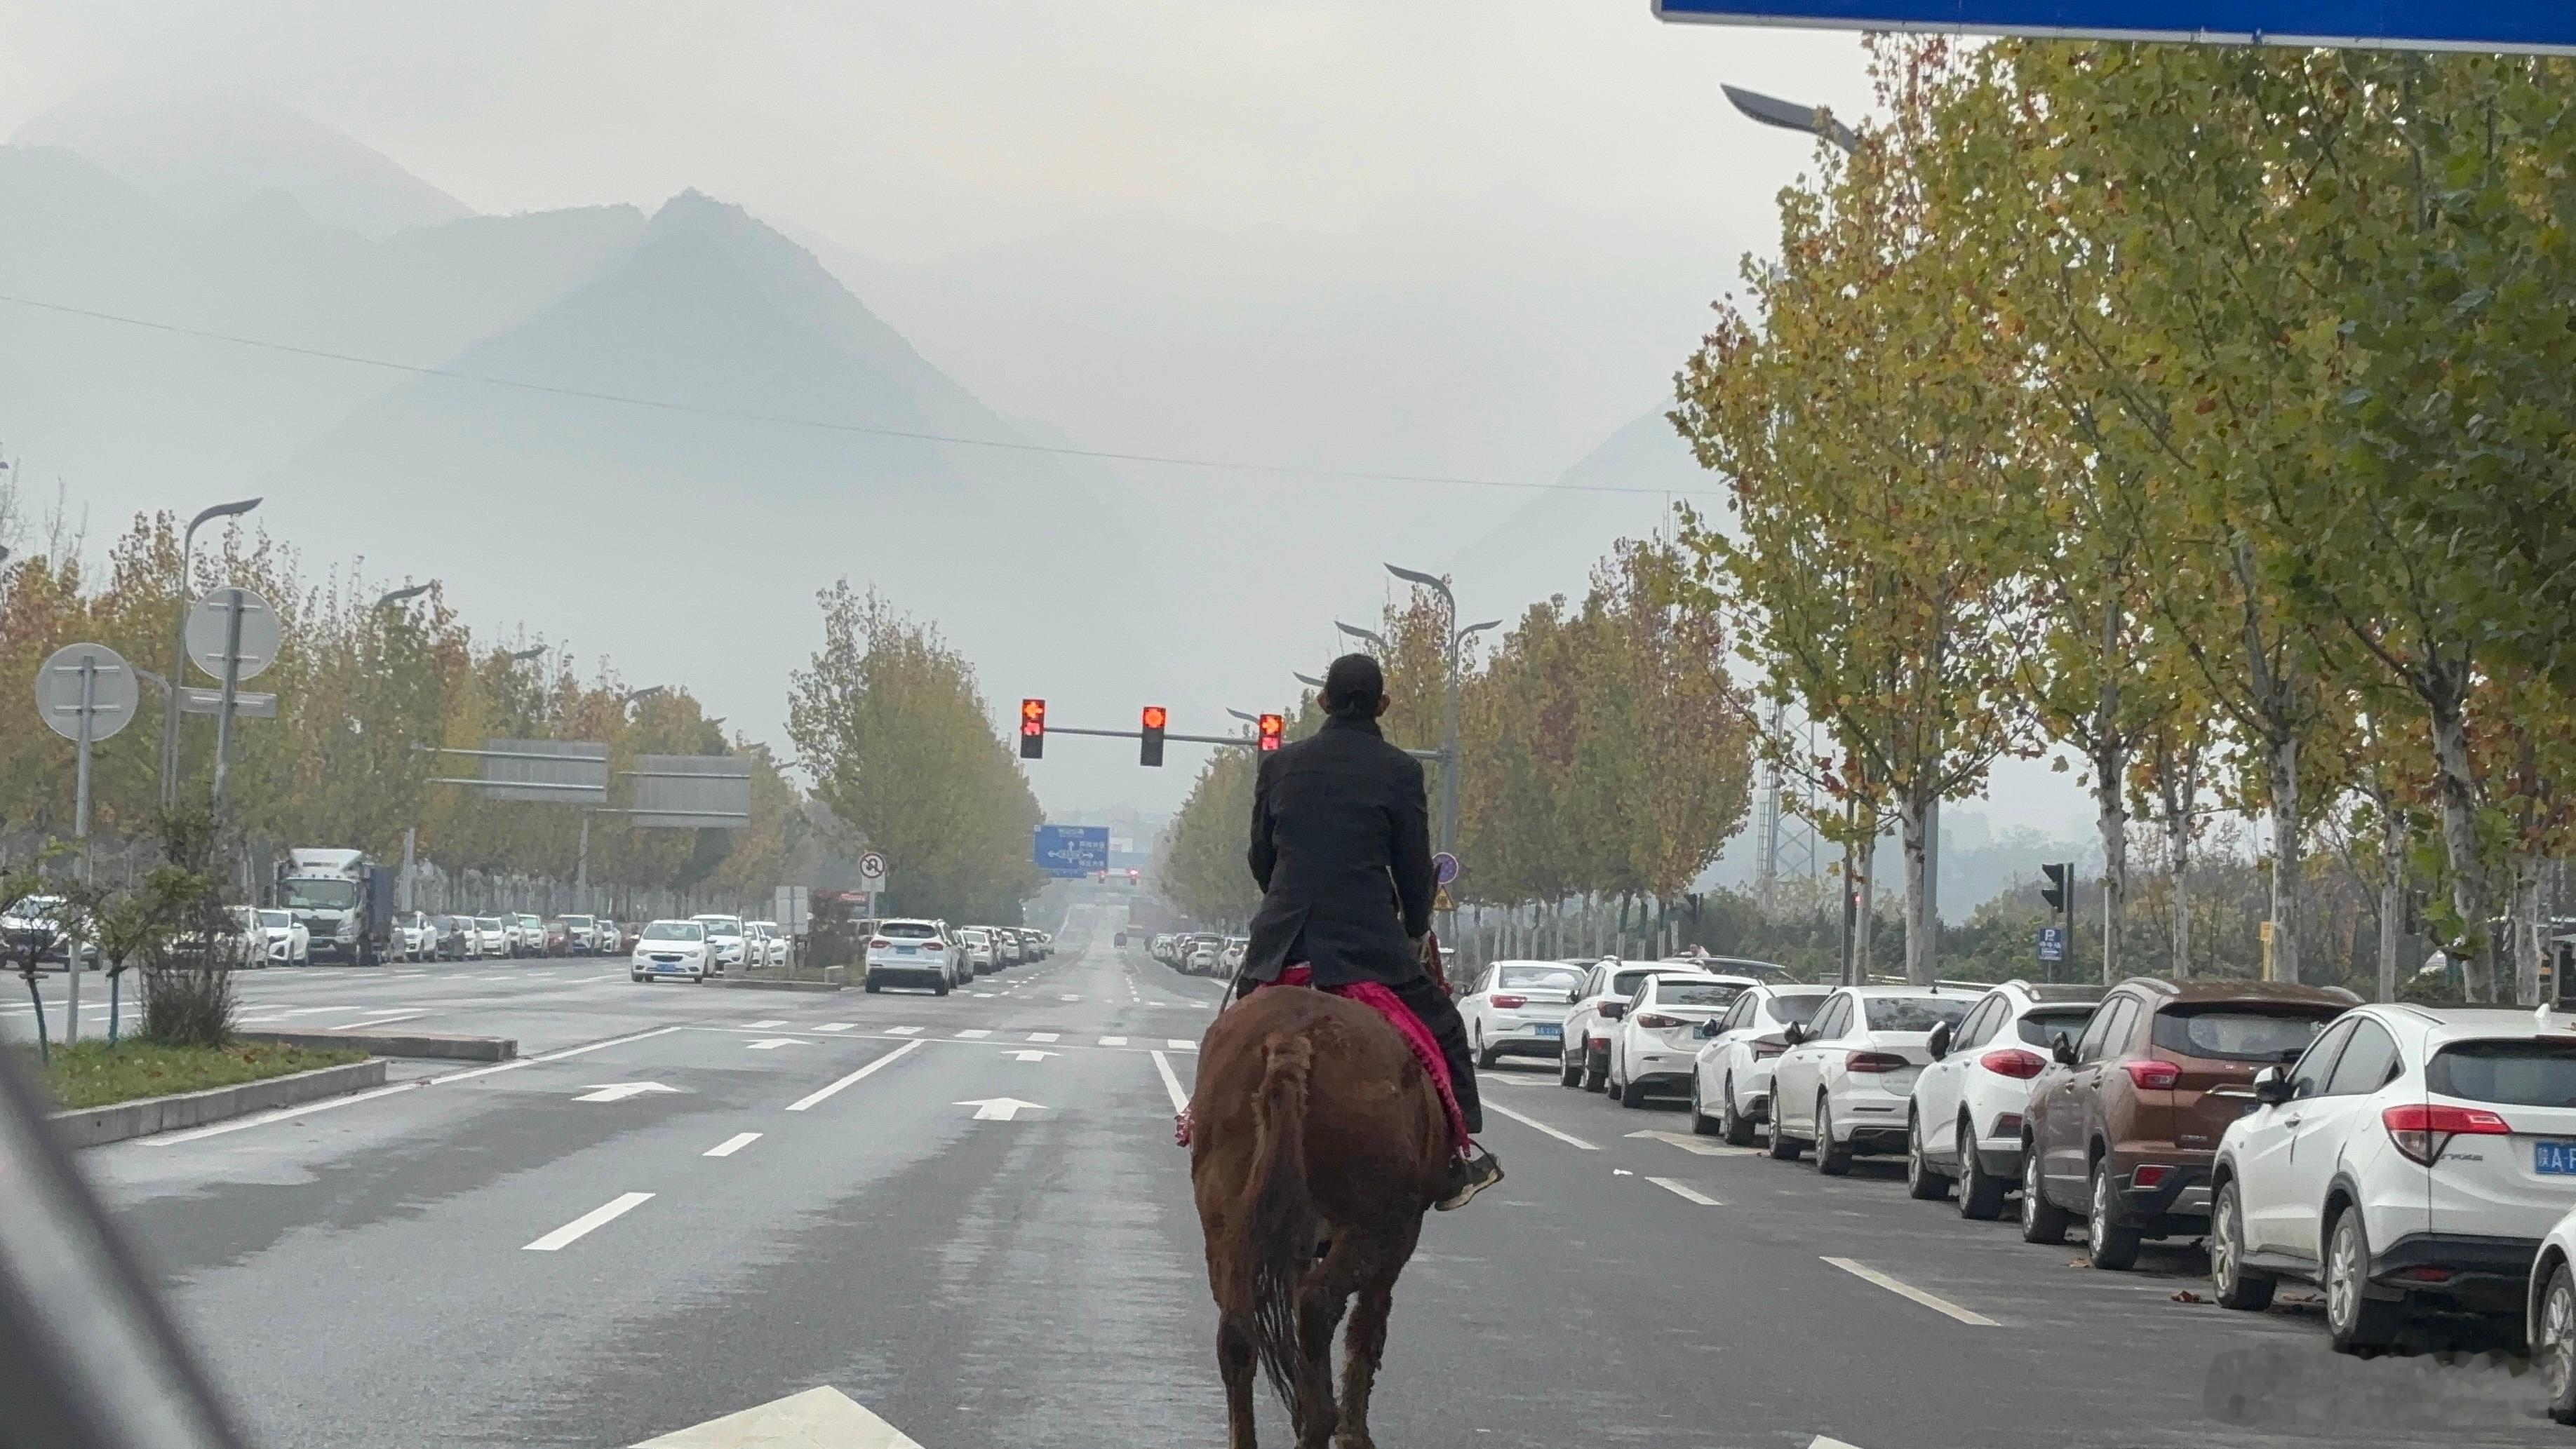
column 1272, row 727
column 1150, row 747
column 1154, row 716
column 1032, row 729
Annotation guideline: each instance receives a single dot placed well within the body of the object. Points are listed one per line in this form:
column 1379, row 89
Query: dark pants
column 1432, row 1006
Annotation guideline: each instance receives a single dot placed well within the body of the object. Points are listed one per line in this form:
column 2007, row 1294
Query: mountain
column 205, row 154
column 1549, row 544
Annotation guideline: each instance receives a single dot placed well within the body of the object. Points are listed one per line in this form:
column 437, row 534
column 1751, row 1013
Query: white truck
column 343, row 899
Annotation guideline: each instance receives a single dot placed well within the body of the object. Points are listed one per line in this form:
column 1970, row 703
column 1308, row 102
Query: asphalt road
column 689, row 1202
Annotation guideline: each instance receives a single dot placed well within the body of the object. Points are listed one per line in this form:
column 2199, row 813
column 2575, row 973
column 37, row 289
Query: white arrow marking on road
column 620, row 1091
column 773, row 1043
column 903, row 1031
column 765, row 1025
column 1688, row 1143
column 973, row 1034
column 1000, row 1109
column 1113, row 1041
column 816, row 1416
column 1032, row 1056
column 1044, row 1036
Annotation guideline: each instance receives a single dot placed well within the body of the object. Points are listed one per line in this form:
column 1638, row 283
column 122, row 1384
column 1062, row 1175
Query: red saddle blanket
column 1426, row 1048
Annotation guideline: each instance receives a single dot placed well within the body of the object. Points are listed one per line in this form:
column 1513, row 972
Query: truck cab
column 344, row 901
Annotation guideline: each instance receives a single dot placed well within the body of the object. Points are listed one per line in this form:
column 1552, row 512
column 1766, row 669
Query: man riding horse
column 1341, row 845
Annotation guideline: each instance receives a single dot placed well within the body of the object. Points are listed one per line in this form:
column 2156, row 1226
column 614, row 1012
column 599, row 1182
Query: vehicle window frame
column 1981, row 1023
column 2395, row 1061
column 2094, row 1045
column 1836, row 1010
column 2326, row 1051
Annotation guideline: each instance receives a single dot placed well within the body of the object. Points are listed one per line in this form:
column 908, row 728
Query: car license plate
column 2554, row 1158
column 905, row 950
column 1550, row 1028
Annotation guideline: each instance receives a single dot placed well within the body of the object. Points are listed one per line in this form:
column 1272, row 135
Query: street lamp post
column 1457, row 637
column 399, row 595
column 1790, row 116
column 179, row 643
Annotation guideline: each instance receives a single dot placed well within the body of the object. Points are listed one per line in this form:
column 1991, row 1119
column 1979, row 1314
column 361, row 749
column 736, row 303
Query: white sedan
column 1517, row 1009
column 1734, row 1068
column 677, row 950
column 1847, row 1079
column 769, row 946
column 1655, row 1041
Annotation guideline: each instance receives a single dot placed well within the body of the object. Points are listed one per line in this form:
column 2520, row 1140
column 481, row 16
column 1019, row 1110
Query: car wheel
column 873, row 988
column 2110, row 1244
column 1485, row 1055
column 2236, row 1287
column 1595, row 1079
column 2042, row 1221
column 1781, row 1146
column 2355, row 1321
column 940, row 990
column 1633, row 1096
column 1831, row 1160
column 640, row 978
column 1981, row 1193
column 1569, row 1070
column 1921, row 1183
column 1611, row 1087
column 1739, row 1128
column 1701, row 1123
column 2554, row 1346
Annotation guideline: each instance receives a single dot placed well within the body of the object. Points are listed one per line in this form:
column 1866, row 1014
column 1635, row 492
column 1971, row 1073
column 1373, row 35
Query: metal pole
column 178, row 670
column 80, row 832
column 581, row 869
column 1449, row 752
column 1932, row 889
column 233, row 610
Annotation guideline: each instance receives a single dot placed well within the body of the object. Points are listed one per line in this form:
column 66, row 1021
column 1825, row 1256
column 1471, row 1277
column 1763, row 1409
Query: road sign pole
column 235, row 605
column 80, row 832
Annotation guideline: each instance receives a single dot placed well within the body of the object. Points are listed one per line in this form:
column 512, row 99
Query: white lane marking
column 1180, row 1044
column 1068, row 998
column 620, row 1091
column 731, row 1145
column 600, row 1216
column 773, row 1043
column 1685, row 1192
column 836, row 1026
column 315, row 1010
column 973, row 1033
column 238, row 1124
column 1158, row 1003
column 1904, row 1289
column 764, row 1025
column 1823, row 1441
column 376, row 1019
column 1000, row 1109
column 823, row 1094
column 903, row 1031
column 1033, row 1056
column 1704, row 1148
column 1171, row 1082
column 979, row 993
column 1567, row 1138
column 1113, row 1041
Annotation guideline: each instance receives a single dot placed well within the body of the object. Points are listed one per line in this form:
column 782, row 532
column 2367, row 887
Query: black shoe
column 1468, row 1177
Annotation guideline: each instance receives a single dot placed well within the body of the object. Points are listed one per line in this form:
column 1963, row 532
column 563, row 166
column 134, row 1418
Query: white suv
column 1584, row 1060
column 914, row 953
column 1655, row 1041
column 2411, row 1154
column 1968, row 1105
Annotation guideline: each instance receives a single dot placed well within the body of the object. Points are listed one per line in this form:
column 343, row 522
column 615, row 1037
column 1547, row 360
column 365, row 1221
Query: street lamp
column 1790, row 116
column 1308, row 680
column 522, row 656
column 1356, row 632
column 399, row 595
column 647, row 692
column 179, row 642
column 1448, row 751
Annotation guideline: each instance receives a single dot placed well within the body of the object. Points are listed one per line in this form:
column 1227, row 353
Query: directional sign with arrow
column 1001, row 1109
column 620, row 1091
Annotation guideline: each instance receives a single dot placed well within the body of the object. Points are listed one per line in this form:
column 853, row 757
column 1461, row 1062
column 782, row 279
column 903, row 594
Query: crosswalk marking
column 973, row 1033
column 1044, row 1036
column 903, row 1031
column 1113, row 1041
column 836, row 1026
column 764, row 1025
column 1181, row 1044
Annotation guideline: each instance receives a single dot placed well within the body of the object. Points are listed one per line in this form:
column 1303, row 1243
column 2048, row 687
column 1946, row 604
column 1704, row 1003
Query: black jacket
column 1341, row 845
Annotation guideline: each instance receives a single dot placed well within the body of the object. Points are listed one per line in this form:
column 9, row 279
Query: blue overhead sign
column 2524, row 26
column 1071, row 850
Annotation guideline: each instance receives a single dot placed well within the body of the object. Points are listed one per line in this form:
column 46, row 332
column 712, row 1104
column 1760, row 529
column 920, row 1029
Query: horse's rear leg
column 1319, row 1312
column 1236, row 1360
column 1362, row 1348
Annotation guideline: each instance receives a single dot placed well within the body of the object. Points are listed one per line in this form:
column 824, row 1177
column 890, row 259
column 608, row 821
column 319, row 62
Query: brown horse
column 1317, row 1145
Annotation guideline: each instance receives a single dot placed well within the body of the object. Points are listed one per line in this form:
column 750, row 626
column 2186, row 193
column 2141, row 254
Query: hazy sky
column 1577, row 148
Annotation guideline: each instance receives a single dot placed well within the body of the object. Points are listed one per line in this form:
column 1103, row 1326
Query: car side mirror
column 1792, row 1034
column 2271, row 1087
column 1939, row 1045
column 1613, row 1010
column 1704, row 1030
column 2062, row 1049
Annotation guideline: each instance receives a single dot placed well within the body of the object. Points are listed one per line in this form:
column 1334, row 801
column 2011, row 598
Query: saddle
column 1426, row 1049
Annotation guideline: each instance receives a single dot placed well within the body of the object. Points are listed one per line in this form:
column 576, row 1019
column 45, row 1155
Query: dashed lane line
column 1181, row 1044
column 1688, row 1143
column 1903, row 1289
column 1113, row 1041
column 1171, row 1082
column 903, row 1031
column 600, row 1216
column 973, row 1033
column 1045, row 1036
column 1685, row 1192
column 825, row 1093
column 731, row 1145
column 1567, row 1138
column 766, row 1025
column 836, row 1026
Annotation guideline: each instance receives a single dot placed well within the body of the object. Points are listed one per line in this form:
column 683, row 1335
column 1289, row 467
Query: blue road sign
column 2052, row 943
column 1444, row 867
column 2525, row 26
column 1071, row 851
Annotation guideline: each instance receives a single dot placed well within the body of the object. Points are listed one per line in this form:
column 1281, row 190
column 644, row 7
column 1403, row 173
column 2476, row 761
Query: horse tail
column 1279, row 1215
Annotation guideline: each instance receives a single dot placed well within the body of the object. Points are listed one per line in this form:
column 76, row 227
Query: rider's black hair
column 1352, row 687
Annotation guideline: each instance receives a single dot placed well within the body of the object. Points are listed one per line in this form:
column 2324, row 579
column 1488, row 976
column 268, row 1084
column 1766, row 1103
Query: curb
column 414, row 1044
column 93, row 1126
column 741, row 983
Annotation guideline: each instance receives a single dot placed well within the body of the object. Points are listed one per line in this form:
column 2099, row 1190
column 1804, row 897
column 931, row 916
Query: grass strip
column 94, row 1074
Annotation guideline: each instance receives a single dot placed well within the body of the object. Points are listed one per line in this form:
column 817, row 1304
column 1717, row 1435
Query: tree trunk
column 2455, row 785
column 1921, row 949
column 2285, row 858
column 2110, row 768
column 2526, row 931
column 1865, row 920
column 2392, row 897
column 2178, row 787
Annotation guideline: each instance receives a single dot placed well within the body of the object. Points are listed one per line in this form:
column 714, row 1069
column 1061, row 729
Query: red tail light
column 2014, row 1062
column 1657, row 1021
column 1875, row 1062
column 1510, row 1003
column 2422, row 1129
column 2152, row 1075
column 880, row 944
column 2150, row 1176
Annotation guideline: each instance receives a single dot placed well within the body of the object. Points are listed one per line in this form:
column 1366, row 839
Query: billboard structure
column 691, row 792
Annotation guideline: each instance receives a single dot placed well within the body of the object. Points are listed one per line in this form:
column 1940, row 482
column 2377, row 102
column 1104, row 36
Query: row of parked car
column 1198, row 953
column 924, row 953
column 2414, row 1162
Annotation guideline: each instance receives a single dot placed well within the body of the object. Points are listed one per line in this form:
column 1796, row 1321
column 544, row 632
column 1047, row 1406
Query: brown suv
column 2123, row 1127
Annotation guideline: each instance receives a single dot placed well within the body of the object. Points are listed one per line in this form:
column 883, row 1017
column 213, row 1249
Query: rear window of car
column 1915, row 1013
column 1697, row 993
column 1800, row 1008
column 1552, row 978
column 971, row 934
column 2508, row 1073
column 1626, row 982
column 2240, row 1033
column 578, row 923
column 675, row 931
column 2042, row 1028
column 908, row 930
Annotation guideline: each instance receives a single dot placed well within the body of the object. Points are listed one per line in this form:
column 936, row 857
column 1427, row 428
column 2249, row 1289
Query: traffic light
column 2060, row 887
column 1272, row 726
column 1152, row 722
column 1032, row 729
